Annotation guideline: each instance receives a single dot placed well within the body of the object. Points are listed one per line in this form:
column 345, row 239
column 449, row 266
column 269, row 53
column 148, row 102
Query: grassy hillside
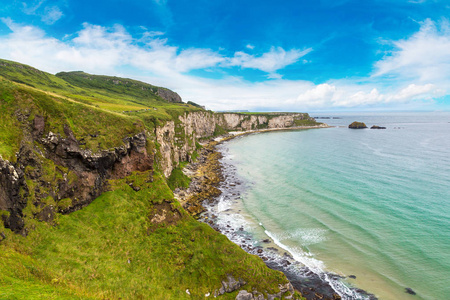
column 109, row 93
column 135, row 241
column 112, row 250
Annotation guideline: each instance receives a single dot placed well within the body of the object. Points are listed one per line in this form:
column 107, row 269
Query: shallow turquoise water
column 371, row 203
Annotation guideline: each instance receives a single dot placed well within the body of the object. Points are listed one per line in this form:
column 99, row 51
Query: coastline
column 216, row 184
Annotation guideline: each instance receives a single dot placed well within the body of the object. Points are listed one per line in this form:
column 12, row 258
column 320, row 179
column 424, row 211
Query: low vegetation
column 135, row 241
column 112, row 249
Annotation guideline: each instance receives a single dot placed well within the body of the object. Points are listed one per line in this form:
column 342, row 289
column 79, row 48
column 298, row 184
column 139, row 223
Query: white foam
column 305, row 236
column 298, row 254
column 223, row 204
column 316, row 266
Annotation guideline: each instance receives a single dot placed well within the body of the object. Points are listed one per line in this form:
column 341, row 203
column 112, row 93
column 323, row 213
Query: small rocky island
column 357, row 125
column 377, row 127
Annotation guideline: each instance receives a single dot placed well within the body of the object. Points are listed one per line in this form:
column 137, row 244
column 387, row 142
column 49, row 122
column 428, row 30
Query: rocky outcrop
column 377, row 127
column 231, row 284
column 90, row 171
column 12, row 184
column 165, row 136
column 168, row 95
column 357, row 125
column 60, row 176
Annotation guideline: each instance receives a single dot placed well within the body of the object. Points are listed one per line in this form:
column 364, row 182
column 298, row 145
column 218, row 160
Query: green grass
column 98, row 91
column 10, row 127
column 177, row 179
column 111, row 250
column 25, row 103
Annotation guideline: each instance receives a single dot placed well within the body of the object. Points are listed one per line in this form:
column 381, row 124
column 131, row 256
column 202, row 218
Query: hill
column 85, row 203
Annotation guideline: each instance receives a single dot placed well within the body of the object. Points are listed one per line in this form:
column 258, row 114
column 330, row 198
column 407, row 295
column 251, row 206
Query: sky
column 265, row 55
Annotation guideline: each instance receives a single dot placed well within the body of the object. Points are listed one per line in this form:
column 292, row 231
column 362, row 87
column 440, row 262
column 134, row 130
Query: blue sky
column 258, row 55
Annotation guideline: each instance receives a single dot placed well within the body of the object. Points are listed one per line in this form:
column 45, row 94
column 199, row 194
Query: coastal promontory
column 87, row 211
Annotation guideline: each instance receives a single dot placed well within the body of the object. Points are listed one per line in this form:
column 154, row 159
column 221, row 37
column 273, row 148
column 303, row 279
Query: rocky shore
column 212, row 182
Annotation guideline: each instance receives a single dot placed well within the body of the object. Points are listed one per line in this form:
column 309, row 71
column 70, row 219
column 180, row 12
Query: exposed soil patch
column 162, row 215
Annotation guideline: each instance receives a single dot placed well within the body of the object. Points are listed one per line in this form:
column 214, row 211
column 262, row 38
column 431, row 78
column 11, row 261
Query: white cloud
column 51, row 15
column 424, row 57
column 30, row 9
column 346, row 94
column 277, row 58
column 96, row 47
column 317, row 95
column 403, row 77
column 151, row 34
column 250, row 46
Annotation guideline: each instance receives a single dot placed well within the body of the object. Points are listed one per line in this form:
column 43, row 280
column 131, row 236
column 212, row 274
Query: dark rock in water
column 377, row 127
column 352, row 276
column 357, row 125
column 410, row 291
column 266, row 241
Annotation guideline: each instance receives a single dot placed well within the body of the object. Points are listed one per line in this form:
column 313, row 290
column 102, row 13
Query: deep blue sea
column 370, row 203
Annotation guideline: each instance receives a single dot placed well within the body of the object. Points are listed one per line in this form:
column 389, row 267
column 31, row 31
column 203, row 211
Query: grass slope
column 110, row 249
column 100, row 91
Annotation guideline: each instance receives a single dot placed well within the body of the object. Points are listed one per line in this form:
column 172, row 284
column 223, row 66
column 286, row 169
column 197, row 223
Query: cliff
column 178, row 138
column 84, row 171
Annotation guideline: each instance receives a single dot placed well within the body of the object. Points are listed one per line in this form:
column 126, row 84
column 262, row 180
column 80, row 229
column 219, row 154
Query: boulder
column 244, row 295
column 377, row 127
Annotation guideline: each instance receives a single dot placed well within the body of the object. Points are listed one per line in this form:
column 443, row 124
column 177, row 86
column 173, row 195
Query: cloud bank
column 416, row 71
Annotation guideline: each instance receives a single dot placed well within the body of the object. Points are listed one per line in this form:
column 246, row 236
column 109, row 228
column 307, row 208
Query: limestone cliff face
column 177, row 140
column 200, row 124
column 165, row 136
column 236, row 121
column 54, row 166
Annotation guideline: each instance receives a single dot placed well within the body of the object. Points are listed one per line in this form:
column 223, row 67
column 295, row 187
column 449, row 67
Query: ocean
column 373, row 204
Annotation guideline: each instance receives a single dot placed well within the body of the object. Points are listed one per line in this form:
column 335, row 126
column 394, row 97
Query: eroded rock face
column 59, row 169
column 169, row 95
column 12, row 182
column 165, row 136
column 92, row 170
column 199, row 124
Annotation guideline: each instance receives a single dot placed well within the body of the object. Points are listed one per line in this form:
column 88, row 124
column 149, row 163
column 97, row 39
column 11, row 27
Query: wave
column 318, row 268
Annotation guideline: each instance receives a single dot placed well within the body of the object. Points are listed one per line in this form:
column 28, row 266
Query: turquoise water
column 369, row 203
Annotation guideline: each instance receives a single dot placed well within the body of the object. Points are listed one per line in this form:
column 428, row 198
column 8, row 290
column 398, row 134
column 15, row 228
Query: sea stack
column 357, row 125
